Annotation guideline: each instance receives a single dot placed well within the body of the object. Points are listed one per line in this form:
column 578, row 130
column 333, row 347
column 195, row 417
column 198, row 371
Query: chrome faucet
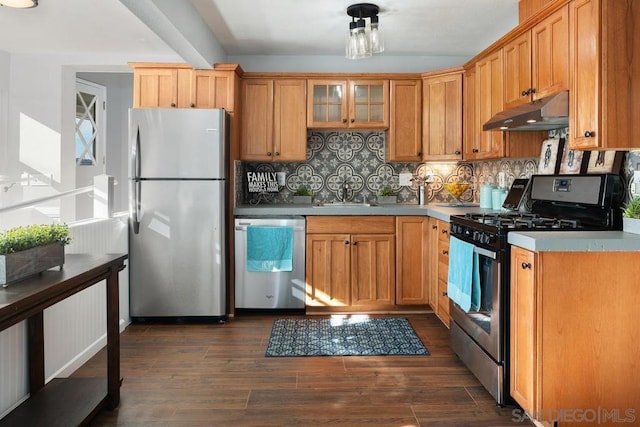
column 344, row 190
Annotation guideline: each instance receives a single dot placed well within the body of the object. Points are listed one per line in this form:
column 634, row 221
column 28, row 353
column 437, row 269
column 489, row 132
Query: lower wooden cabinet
column 439, row 268
column 412, row 261
column 573, row 338
column 350, row 261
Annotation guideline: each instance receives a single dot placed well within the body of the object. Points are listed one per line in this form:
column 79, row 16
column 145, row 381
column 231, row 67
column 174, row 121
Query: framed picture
column 573, row 162
column 605, row 162
column 550, row 155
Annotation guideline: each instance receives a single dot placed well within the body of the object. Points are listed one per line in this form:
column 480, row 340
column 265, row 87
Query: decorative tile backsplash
column 358, row 157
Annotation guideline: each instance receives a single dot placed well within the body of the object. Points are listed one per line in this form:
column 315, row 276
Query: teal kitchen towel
column 269, row 248
column 464, row 275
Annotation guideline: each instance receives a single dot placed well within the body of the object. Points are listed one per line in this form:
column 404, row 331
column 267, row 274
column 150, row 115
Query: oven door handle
column 484, row 252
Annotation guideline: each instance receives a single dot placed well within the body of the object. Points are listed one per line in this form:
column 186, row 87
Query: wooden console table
column 64, row 401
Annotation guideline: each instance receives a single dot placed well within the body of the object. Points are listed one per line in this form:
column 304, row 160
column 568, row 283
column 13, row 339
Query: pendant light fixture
column 19, row 4
column 363, row 40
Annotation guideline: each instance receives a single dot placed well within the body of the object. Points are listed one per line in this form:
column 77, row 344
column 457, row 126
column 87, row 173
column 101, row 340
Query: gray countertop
column 575, row 241
column 435, row 210
column 537, row 241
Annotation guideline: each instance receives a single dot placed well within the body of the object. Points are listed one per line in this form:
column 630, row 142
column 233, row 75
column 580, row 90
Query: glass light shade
column 363, row 47
column 20, row 4
column 377, row 41
column 350, row 43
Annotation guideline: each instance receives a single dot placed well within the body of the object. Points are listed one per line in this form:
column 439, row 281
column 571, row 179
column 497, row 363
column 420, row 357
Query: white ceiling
column 261, row 27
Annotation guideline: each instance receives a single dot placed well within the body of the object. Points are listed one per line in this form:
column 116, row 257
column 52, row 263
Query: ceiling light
column 20, row 4
column 363, row 40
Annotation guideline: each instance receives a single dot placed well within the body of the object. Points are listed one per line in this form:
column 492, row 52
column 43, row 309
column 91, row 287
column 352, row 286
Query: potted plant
column 303, row 195
column 25, row 251
column 631, row 216
column 386, row 196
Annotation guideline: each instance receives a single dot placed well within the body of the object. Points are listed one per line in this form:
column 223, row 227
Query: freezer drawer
column 274, row 289
column 177, row 255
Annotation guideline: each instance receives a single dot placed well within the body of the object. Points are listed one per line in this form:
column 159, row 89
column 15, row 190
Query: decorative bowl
column 456, row 189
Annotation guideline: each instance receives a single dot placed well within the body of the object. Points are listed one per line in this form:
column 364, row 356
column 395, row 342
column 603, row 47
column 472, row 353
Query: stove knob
column 486, row 238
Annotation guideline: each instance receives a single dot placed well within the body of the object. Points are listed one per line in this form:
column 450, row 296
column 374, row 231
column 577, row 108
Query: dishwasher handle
column 243, row 227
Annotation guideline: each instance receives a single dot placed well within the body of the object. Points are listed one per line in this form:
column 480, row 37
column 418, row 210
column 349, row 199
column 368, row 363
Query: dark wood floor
column 217, row 375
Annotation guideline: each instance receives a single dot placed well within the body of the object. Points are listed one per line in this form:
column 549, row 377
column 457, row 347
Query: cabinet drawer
column 443, row 232
column 348, row 224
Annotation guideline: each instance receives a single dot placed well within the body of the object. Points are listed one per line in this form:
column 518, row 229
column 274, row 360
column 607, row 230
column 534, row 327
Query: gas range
column 489, row 228
column 558, row 203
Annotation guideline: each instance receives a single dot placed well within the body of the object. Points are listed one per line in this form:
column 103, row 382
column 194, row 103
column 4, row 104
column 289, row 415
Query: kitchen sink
column 343, row 205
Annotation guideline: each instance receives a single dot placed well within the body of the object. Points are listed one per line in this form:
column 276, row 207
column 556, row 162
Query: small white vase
column 631, row 225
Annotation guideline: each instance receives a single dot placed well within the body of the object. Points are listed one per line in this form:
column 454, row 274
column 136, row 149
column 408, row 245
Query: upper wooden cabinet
column 179, row 86
column 488, row 102
column 357, row 104
column 442, row 116
column 536, row 63
column 274, row 120
column 604, row 65
column 404, row 140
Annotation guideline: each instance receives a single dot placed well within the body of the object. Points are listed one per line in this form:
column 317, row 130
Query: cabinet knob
column 419, row 153
column 269, row 153
column 589, row 134
column 344, row 120
column 475, row 150
column 457, row 152
column 346, row 242
column 433, row 227
column 444, row 231
column 173, row 105
column 526, row 265
column 445, row 252
column 355, row 243
column 525, row 92
column 444, row 294
column 193, row 105
column 353, row 120
column 277, row 153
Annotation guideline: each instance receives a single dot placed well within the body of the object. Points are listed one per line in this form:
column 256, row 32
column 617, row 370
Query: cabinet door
column 550, row 54
column 290, row 120
column 155, row 88
column 523, row 328
column 412, row 260
column 327, row 104
column 257, row 119
column 489, row 101
column 212, row 89
column 442, row 117
column 443, row 272
column 328, row 270
column 470, row 144
column 373, row 270
column 584, row 54
column 517, row 71
column 405, row 125
column 369, row 104
column 433, row 264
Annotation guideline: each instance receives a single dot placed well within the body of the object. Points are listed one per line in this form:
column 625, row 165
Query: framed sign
column 573, row 162
column 605, row 162
column 550, row 156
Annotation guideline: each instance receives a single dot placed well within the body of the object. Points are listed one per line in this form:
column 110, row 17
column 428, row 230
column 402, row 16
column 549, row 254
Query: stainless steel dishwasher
column 270, row 289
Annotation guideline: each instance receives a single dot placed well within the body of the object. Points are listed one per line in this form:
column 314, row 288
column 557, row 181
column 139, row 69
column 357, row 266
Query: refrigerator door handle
column 135, row 182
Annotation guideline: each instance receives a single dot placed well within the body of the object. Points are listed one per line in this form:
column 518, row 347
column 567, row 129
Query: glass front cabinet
column 357, row 104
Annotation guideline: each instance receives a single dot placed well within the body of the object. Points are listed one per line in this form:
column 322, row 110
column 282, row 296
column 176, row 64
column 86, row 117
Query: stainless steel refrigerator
column 177, row 225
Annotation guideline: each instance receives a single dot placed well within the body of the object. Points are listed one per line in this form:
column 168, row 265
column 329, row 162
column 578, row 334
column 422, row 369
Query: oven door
column 485, row 326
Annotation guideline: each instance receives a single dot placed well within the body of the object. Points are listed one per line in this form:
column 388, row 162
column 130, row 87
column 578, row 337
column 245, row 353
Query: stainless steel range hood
column 551, row 112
